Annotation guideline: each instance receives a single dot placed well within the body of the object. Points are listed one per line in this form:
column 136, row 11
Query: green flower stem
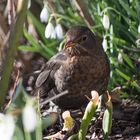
column 110, row 8
column 73, row 137
column 63, row 17
column 15, row 35
column 27, row 135
column 107, row 121
column 88, row 115
column 49, row 120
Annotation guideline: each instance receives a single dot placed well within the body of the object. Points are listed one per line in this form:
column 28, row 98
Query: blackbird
column 82, row 66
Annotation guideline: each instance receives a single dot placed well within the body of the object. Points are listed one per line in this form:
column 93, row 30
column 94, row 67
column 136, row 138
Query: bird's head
column 81, row 39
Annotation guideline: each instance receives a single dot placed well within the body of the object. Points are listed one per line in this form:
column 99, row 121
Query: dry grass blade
column 54, row 97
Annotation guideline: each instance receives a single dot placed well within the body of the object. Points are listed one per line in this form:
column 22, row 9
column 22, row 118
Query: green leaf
column 107, row 122
column 138, row 8
column 28, row 48
column 88, row 115
column 31, row 40
column 48, row 52
column 128, row 60
column 39, row 26
column 128, row 9
column 123, row 75
column 18, row 99
column 18, row 135
column 49, row 120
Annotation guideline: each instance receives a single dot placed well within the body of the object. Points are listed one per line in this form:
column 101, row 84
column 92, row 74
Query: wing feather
column 46, row 77
column 42, row 78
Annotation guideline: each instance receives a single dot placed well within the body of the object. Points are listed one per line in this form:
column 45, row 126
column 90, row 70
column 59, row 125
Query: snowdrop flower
column 44, row 15
column 120, row 58
column 29, row 118
column 104, row 44
column 139, row 29
column 7, row 127
column 49, row 31
column 29, row 4
column 106, row 22
column 59, row 31
column 138, row 42
column 53, row 35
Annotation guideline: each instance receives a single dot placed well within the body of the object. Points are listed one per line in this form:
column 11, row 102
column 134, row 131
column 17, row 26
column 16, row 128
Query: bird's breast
column 79, row 73
column 79, row 76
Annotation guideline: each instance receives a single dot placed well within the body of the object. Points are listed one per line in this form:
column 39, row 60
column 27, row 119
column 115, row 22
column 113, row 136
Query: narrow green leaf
column 28, row 48
column 107, row 123
column 88, row 115
column 18, row 135
column 49, row 53
column 138, row 8
column 128, row 60
column 31, row 40
column 49, row 120
column 123, row 75
column 39, row 26
column 128, row 9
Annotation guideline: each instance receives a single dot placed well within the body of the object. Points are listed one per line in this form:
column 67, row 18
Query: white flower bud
column 7, row 127
column 53, row 35
column 106, row 22
column 139, row 29
column 49, row 30
column 120, row 58
column 138, row 42
column 29, row 118
column 59, row 31
column 104, row 44
column 44, row 15
column 29, row 4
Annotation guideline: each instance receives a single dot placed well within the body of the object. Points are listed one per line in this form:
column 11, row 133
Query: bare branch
column 83, row 11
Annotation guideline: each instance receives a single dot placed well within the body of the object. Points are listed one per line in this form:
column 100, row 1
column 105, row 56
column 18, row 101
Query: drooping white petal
column 138, row 42
column 53, row 35
column 7, row 127
column 49, row 30
column 139, row 29
column 29, row 118
column 29, row 4
column 59, row 31
column 104, row 44
column 44, row 15
column 106, row 22
column 120, row 58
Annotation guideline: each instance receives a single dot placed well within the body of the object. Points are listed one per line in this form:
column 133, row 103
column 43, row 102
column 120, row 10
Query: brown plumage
column 82, row 66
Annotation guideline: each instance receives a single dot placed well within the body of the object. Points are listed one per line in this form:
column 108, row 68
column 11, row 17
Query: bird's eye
column 84, row 38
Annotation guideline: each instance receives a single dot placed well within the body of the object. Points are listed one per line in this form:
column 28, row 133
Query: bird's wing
column 46, row 77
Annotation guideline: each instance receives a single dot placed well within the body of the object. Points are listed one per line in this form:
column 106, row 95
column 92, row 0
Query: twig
column 81, row 6
column 13, row 90
column 51, row 5
column 15, row 34
column 10, row 6
column 55, row 97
